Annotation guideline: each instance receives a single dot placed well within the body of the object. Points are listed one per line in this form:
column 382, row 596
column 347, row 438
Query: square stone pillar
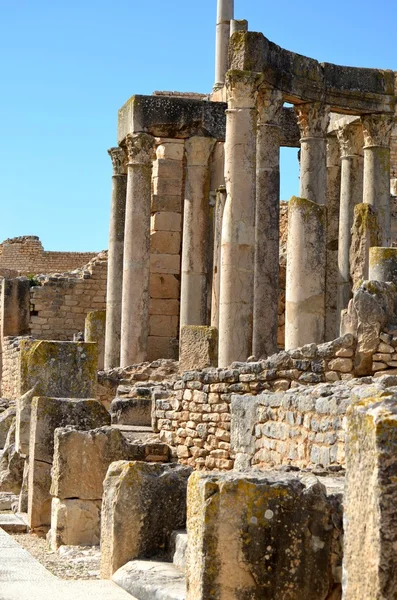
column 238, row 227
column 136, row 265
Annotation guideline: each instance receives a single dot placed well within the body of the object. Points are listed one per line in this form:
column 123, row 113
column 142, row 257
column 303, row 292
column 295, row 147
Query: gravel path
column 69, row 562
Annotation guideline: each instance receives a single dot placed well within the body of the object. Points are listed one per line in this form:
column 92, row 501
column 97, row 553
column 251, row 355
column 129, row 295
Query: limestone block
column 23, row 412
column 39, row 498
column 81, row 459
column 11, row 465
column 75, row 522
column 162, row 242
column 164, row 307
column 95, row 324
column 15, row 302
column 164, row 285
column 168, row 168
column 166, row 221
column 131, row 411
column 162, row 347
column 167, row 187
column 369, row 558
column 262, row 535
column 6, row 418
column 165, row 263
column 198, row 347
column 142, row 504
column 365, row 234
column 167, row 203
column 383, row 264
column 60, row 369
column 163, row 325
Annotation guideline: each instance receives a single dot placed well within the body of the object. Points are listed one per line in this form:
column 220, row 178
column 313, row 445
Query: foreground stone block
column 142, row 504
column 131, row 411
column 370, row 560
column 59, row 369
column 6, row 418
column 198, row 347
column 75, row 522
column 11, row 465
column 47, row 415
column 260, row 535
column 95, row 325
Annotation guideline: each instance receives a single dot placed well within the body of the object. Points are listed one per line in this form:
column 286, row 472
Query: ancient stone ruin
column 211, row 405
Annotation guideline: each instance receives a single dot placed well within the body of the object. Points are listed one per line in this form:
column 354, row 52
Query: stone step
column 152, row 580
column 131, row 411
column 12, row 523
column 177, row 549
column 135, row 433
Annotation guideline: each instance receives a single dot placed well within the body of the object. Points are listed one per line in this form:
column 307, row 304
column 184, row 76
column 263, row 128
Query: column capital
column 198, row 150
column 351, row 139
column 333, row 151
column 313, row 119
column 377, row 130
column 242, row 88
column 269, row 104
column 140, row 148
column 119, row 162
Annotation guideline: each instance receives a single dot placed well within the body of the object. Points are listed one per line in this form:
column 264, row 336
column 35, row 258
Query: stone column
column 267, row 216
column 238, row 234
column 331, row 275
column 377, row 131
column 351, row 144
column 195, row 232
column 115, row 258
column 313, row 121
column 136, row 266
column 306, row 263
column 225, row 14
column 216, row 267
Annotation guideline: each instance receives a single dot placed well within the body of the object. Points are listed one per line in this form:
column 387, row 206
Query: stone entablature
column 26, row 255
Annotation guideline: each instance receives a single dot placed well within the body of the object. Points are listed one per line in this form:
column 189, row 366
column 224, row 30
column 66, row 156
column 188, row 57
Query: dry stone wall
column 27, row 255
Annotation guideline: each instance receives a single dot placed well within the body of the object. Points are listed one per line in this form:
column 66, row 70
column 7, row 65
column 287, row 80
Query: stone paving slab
column 152, row 580
column 12, row 523
column 22, row 577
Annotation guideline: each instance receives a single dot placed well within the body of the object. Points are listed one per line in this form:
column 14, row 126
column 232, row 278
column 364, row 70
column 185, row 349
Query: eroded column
column 313, row 121
column 238, row 234
column 194, row 304
column 267, row 216
column 377, row 131
column 136, row 265
column 351, row 144
column 333, row 199
column 115, row 258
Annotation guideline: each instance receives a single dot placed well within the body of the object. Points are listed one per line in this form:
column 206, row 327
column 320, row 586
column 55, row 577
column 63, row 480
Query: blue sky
column 68, row 66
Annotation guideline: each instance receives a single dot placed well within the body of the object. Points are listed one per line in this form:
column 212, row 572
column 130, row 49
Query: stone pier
column 305, row 293
column 115, row 258
column 194, row 281
column 136, row 266
column 238, row 235
column 267, row 213
column 351, row 145
column 333, row 200
column 377, row 132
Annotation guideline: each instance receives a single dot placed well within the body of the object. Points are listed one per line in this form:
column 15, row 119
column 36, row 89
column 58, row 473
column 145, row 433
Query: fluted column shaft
column 377, row 131
column 238, row 231
column 351, row 144
column 267, row 217
column 136, row 266
column 194, row 301
column 115, row 259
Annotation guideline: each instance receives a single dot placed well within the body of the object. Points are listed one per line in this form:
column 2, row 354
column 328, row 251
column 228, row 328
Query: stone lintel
column 169, row 117
column 349, row 90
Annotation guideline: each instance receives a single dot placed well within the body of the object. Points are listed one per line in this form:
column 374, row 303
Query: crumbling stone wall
column 60, row 304
column 27, row 255
column 10, row 376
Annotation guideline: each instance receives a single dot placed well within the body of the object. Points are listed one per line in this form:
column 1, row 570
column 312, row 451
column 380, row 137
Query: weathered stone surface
column 23, row 412
column 131, row 411
column 142, row 504
column 6, row 418
column 198, row 347
column 370, row 563
column 262, row 535
column 75, row 522
column 60, row 369
column 95, row 325
column 370, row 309
column 364, row 235
column 11, row 464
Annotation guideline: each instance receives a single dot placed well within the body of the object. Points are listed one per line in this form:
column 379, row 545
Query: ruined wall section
column 60, row 304
column 26, row 255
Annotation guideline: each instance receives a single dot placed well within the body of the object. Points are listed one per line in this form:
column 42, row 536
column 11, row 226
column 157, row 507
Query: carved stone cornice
column 351, row 140
column 140, row 148
column 119, row 161
column 313, row 119
column 377, row 130
column 242, row 88
column 269, row 104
